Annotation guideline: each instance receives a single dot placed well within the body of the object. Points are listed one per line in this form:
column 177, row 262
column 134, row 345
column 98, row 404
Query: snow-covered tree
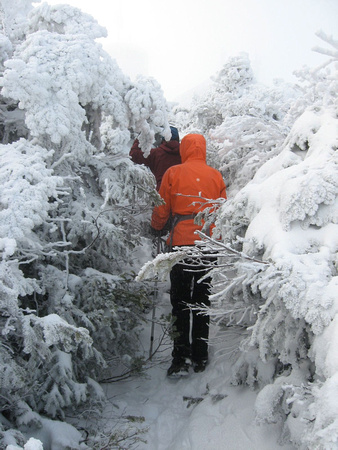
column 287, row 218
column 242, row 119
column 70, row 209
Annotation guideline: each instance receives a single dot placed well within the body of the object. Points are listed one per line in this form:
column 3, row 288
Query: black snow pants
column 191, row 327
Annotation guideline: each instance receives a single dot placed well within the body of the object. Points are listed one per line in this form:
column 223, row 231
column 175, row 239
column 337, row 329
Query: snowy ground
column 203, row 411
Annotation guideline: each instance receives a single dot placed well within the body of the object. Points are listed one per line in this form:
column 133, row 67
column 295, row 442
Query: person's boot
column 200, row 365
column 179, row 368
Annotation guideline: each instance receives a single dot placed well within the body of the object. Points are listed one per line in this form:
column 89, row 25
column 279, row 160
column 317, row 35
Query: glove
column 156, row 233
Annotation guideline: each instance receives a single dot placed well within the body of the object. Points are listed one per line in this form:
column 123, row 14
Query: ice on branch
column 160, row 267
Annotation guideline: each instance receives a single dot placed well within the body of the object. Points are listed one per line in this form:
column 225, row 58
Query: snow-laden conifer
column 243, row 120
column 72, row 208
column 287, row 218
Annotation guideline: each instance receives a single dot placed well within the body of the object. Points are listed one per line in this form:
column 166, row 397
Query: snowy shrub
column 242, row 120
column 318, row 86
column 287, row 217
column 72, row 207
column 252, row 126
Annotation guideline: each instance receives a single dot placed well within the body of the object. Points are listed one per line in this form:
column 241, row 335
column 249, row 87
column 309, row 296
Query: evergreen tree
column 242, row 120
column 286, row 217
column 71, row 202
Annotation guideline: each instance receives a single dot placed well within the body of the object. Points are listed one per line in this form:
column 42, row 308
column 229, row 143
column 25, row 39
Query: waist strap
column 177, row 219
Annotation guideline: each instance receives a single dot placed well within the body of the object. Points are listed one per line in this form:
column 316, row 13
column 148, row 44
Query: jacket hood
column 171, row 146
column 193, row 146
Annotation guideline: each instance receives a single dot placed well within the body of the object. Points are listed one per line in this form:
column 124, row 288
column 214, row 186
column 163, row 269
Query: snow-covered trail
column 202, row 411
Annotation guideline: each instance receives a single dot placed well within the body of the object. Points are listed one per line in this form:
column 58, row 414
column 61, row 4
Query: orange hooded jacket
column 184, row 188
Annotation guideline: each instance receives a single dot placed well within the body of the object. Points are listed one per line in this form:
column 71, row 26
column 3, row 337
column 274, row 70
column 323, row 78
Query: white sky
column 182, row 43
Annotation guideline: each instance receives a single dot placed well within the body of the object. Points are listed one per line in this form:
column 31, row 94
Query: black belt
column 177, row 219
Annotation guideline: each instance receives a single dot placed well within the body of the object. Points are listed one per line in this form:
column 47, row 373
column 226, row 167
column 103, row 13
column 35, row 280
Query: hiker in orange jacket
column 185, row 188
column 160, row 158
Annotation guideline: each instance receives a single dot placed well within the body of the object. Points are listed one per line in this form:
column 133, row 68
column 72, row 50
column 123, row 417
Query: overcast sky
column 182, row 43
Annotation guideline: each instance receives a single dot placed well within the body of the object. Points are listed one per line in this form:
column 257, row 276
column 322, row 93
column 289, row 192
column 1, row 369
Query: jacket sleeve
column 161, row 213
column 137, row 154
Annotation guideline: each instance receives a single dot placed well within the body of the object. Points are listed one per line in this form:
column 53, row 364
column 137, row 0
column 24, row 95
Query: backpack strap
column 177, row 219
